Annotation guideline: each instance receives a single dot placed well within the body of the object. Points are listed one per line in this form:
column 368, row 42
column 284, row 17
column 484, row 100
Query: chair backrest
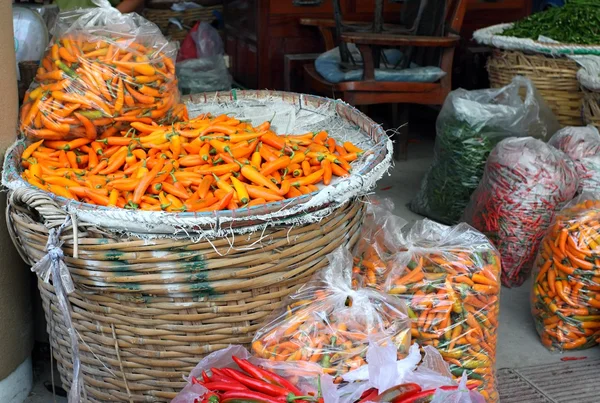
column 455, row 15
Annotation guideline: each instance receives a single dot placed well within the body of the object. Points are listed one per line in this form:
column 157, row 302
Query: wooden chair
column 438, row 48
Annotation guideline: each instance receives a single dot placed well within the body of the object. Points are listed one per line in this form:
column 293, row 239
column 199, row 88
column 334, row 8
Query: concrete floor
column 518, row 342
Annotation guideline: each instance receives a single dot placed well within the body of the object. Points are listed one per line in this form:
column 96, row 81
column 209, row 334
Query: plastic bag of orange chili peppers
column 450, row 279
column 524, row 183
column 102, row 71
column 565, row 299
column 330, row 323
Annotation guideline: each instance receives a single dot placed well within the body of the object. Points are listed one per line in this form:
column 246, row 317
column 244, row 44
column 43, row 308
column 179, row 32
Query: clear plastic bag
column 101, row 71
column 305, row 376
column 206, row 71
column 203, row 75
column 525, row 182
column 386, row 376
column 468, row 127
column 565, row 299
column 329, row 323
column 450, row 279
column 582, row 144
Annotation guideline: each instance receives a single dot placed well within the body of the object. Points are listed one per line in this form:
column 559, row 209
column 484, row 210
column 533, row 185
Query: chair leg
column 400, row 125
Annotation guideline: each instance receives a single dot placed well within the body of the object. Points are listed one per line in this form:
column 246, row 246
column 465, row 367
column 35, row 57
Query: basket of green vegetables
column 541, row 47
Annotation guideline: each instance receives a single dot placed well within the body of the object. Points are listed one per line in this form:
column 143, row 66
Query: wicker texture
column 188, row 17
column 591, row 107
column 146, row 311
column 554, row 78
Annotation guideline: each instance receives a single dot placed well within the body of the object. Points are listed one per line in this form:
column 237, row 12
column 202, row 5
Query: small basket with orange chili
column 565, row 299
column 102, row 71
column 450, row 279
column 328, row 323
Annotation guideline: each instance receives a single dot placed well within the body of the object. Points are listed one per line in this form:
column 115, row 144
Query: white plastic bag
column 384, row 372
column 208, row 71
column 582, row 144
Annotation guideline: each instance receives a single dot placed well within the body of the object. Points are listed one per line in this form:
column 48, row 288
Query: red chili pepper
column 397, row 393
column 224, row 386
column 205, row 376
column 265, row 375
column 369, row 395
column 195, row 380
column 256, row 384
column 421, row 397
column 248, row 395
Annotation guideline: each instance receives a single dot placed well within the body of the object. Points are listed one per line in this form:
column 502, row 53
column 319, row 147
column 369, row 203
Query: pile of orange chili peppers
column 205, row 164
column 86, row 87
column 566, row 288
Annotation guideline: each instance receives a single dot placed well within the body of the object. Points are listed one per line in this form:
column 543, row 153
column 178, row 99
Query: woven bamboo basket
column 155, row 292
column 554, row 78
column 146, row 311
column 591, row 107
column 188, row 17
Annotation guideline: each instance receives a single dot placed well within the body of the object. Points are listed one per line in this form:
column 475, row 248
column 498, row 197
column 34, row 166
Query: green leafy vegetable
column 578, row 22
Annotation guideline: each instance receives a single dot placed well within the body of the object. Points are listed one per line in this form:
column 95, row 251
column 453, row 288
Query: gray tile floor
column 518, row 343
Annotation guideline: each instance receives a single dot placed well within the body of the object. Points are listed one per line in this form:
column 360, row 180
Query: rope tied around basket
column 53, row 265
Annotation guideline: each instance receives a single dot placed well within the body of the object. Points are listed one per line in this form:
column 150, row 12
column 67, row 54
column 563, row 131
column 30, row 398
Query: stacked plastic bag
column 525, row 182
column 566, row 289
column 450, row 279
column 469, row 126
column 582, row 144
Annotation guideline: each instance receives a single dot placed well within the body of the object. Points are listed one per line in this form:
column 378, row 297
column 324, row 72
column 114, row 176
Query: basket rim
column 379, row 161
column 489, row 36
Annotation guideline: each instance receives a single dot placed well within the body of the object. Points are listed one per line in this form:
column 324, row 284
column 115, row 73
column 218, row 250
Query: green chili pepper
column 577, row 22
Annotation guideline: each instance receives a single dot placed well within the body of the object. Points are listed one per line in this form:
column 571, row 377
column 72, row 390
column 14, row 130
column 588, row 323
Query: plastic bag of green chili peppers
column 469, row 126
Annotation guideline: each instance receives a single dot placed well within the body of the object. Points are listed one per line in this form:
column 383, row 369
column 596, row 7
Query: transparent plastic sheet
column 328, row 322
column 582, row 144
column 102, row 70
column 565, row 299
column 205, row 74
column 525, row 182
column 206, row 70
column 468, row 127
column 385, row 373
column 450, row 279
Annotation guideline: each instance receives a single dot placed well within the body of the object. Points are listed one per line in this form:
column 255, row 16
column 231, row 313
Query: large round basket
column 145, row 312
column 554, row 77
column 151, row 299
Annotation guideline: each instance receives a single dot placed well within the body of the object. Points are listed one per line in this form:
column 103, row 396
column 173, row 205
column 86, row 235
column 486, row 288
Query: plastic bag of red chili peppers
column 232, row 374
column 525, row 182
column 582, row 144
column 565, row 299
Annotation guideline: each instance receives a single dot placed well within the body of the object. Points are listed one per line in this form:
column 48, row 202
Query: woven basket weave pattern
column 187, row 17
column 554, row 78
column 591, row 107
column 146, row 311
